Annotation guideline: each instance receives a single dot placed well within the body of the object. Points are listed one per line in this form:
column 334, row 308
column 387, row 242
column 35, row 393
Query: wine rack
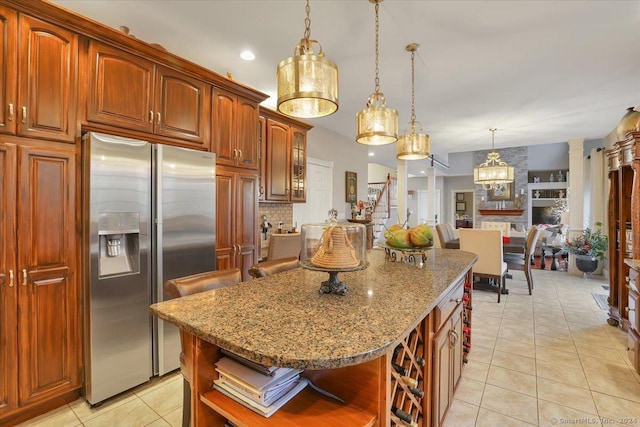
column 408, row 383
column 466, row 320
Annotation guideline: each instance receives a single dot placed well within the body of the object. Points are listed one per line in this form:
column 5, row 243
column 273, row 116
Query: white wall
column 378, row 173
column 347, row 155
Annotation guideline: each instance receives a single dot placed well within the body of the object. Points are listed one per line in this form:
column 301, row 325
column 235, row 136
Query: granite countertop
column 282, row 320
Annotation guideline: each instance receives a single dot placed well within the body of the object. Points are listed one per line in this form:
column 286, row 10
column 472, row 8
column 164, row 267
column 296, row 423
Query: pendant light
column 307, row 83
column 412, row 145
column 377, row 124
column 493, row 171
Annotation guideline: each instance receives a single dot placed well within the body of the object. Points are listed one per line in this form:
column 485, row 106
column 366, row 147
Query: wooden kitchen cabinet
column 131, row 92
column 235, row 130
column 40, row 332
column 38, row 62
column 237, row 242
column 262, row 157
column 448, row 347
column 284, row 171
column 8, row 69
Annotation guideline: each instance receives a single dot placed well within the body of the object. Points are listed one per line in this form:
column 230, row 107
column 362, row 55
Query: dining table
column 513, row 245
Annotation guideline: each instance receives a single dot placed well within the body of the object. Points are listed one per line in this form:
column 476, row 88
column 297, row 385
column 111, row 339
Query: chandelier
column 377, row 124
column 493, row 171
column 307, row 83
column 412, row 145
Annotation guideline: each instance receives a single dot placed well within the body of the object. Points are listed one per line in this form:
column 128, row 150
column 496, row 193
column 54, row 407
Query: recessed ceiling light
column 372, row 154
column 422, row 172
column 247, row 55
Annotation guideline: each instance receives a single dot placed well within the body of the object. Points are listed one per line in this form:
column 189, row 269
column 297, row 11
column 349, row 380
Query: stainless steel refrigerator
column 150, row 217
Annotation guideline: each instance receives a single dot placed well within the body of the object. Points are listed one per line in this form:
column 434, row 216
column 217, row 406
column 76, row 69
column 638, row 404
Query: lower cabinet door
column 441, row 373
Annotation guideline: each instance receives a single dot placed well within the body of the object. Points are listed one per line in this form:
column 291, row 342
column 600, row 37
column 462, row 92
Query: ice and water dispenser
column 119, row 234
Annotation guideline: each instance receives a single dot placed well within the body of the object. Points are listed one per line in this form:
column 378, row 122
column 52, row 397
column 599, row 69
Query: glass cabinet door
column 298, row 165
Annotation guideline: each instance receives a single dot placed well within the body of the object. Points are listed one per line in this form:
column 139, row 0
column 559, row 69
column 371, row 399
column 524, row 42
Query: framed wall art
column 351, row 188
column 500, row 192
column 461, row 206
column 459, row 197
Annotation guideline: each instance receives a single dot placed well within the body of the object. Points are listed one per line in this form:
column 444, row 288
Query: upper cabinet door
column 120, row 89
column 8, row 69
column 182, row 106
column 278, row 161
column 47, row 80
column 224, row 127
column 247, row 134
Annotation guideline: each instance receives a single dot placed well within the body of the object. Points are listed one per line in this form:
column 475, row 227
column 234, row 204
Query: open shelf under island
column 395, row 315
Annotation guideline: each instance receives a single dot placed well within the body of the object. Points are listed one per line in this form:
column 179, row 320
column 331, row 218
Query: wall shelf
column 511, row 212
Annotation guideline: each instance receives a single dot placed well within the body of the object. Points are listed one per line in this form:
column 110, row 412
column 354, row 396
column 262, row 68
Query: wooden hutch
column 624, row 239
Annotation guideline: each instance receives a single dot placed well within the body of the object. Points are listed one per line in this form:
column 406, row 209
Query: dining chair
column 284, row 245
column 273, row 266
column 190, row 285
column 523, row 261
column 497, row 225
column 487, row 245
column 446, row 235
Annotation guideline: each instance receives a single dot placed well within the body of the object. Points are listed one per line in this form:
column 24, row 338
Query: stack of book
column 262, row 389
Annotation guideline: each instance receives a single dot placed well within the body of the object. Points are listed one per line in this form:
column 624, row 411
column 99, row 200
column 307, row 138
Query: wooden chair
column 487, row 245
column 446, row 235
column 190, row 285
column 273, row 266
column 523, row 262
column 284, row 245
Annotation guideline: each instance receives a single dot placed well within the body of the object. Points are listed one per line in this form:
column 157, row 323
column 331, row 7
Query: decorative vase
column 586, row 263
column 628, row 123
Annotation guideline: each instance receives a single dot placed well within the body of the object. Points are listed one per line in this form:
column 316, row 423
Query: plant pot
column 586, row 264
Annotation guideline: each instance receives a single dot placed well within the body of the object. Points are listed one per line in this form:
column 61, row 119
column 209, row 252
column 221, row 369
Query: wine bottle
column 416, row 392
column 404, row 416
column 419, row 360
column 409, row 381
column 399, row 369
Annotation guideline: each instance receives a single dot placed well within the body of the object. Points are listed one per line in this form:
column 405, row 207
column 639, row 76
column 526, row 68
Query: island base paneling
column 411, row 385
column 359, row 385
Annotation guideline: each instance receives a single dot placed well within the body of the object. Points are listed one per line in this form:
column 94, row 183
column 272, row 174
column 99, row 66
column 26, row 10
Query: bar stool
column 273, row 266
column 190, row 285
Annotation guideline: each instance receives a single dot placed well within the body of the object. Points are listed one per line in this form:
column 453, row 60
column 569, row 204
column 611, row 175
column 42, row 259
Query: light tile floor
column 542, row 360
column 547, row 359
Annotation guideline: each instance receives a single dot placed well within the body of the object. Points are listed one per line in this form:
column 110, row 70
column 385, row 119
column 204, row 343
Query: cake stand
column 333, row 285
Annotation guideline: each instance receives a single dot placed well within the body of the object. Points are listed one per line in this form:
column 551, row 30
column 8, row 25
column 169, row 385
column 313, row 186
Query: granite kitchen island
column 395, row 314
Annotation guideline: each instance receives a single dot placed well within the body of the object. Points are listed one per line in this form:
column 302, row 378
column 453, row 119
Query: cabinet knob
column 24, row 114
column 159, row 120
column 11, row 278
column 240, row 154
column 24, row 277
column 10, row 118
column 235, row 153
column 151, row 117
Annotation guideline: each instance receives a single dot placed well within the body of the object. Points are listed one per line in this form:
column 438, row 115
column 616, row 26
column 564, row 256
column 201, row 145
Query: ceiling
column 540, row 71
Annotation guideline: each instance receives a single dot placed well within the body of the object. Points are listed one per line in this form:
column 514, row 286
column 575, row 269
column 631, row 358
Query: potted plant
column 588, row 247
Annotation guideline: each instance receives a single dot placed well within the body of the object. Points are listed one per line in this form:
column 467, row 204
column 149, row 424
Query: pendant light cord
column 307, row 23
column 413, row 96
column 377, row 89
